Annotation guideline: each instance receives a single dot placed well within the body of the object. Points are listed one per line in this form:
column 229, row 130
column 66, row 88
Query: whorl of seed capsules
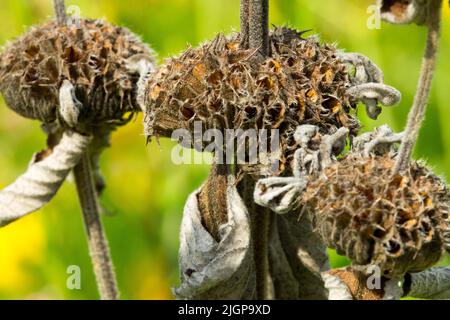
column 91, row 55
column 395, row 222
column 221, row 85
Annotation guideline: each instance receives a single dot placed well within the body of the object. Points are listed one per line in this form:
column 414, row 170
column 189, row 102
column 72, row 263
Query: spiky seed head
column 91, row 55
column 221, row 85
column 395, row 222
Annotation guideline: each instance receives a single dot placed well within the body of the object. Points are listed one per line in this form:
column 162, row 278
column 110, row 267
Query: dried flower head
column 397, row 222
column 221, row 85
column 92, row 57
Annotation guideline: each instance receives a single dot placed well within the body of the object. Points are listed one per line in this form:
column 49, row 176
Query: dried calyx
column 87, row 58
column 223, row 86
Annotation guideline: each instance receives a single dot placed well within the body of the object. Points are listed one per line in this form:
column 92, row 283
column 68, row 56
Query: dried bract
column 92, row 57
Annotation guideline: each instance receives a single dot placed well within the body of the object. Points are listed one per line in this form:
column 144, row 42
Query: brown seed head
column 224, row 86
column 395, row 222
column 92, row 57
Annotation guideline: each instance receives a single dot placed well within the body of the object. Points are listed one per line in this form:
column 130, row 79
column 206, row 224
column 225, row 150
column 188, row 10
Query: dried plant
column 245, row 234
column 78, row 79
column 302, row 81
column 260, row 80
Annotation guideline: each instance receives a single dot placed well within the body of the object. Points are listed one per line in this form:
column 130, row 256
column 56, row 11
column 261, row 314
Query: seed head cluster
column 91, row 55
column 397, row 222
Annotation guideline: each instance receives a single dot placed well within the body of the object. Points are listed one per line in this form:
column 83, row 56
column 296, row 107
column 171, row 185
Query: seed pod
column 395, row 222
column 90, row 55
column 223, row 86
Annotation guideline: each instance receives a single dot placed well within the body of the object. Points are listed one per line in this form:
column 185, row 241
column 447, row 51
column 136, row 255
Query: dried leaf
column 211, row 269
column 305, row 253
column 39, row 184
column 431, row 284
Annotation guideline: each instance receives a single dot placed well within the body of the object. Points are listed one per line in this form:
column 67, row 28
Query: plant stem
column 60, row 11
column 417, row 113
column 262, row 224
column 261, row 220
column 255, row 35
column 258, row 26
column 245, row 6
column 98, row 244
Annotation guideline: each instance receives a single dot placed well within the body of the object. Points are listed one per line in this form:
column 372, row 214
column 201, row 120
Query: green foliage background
column 146, row 192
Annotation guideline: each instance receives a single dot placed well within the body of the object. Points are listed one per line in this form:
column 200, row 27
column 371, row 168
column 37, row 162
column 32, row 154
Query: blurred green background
column 146, row 192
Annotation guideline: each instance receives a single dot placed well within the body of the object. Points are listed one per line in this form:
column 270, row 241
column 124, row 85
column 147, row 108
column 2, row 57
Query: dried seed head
column 395, row 222
column 404, row 11
column 220, row 84
column 93, row 57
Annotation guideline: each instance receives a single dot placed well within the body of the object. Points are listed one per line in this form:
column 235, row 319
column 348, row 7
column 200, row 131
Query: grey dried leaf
column 393, row 289
column 316, row 151
column 404, row 12
column 431, row 284
column 371, row 94
column 337, row 289
column 305, row 252
column 211, row 269
column 39, row 184
column 381, row 141
column 145, row 66
column 279, row 194
column 70, row 107
column 366, row 70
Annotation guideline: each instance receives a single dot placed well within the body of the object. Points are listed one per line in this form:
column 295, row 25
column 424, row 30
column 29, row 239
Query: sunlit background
column 146, row 192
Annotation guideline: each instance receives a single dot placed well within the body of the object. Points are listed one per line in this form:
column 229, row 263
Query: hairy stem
column 258, row 26
column 60, row 11
column 261, row 224
column 255, row 35
column 263, row 220
column 417, row 113
column 98, row 244
column 245, row 6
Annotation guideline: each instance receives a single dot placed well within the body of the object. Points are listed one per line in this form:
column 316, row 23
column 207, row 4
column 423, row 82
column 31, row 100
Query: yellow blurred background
column 146, row 191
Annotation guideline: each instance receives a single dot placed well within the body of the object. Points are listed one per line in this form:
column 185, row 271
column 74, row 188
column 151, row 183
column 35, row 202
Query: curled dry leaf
column 372, row 94
column 337, row 289
column 346, row 284
column 430, row 284
column 36, row 187
column 404, row 11
column 224, row 268
column 279, row 194
column 211, row 269
column 294, row 241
